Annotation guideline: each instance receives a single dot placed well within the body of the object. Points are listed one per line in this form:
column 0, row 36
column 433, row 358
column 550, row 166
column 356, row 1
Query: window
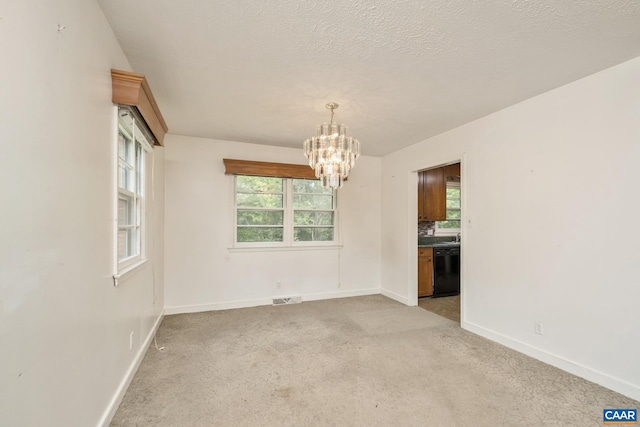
column 133, row 143
column 273, row 211
column 452, row 224
column 259, row 209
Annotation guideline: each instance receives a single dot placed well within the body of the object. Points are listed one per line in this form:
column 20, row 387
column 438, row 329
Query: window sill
column 283, row 248
column 128, row 271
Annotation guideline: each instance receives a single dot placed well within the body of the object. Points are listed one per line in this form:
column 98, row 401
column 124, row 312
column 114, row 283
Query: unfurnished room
column 319, row 213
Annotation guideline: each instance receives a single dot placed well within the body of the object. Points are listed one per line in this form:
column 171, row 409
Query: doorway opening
column 439, row 240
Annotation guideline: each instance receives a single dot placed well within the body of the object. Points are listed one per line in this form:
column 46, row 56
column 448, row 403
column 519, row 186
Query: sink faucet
column 458, row 237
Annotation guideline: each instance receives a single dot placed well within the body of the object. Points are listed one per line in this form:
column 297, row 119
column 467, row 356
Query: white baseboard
column 179, row 309
column 107, row 417
column 590, row 374
column 394, row 296
column 340, row 294
column 265, row 301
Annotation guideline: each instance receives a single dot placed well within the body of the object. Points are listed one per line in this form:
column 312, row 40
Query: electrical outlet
column 131, row 341
column 278, row 285
column 539, row 328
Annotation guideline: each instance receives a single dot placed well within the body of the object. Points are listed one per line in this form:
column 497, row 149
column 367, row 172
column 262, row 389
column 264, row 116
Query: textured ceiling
column 401, row 70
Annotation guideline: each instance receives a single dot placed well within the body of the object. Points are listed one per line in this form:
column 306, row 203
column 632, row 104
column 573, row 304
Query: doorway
column 439, row 240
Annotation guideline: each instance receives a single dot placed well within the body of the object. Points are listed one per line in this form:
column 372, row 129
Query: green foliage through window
column 252, row 217
column 308, row 234
column 258, row 184
column 281, row 210
column 312, row 218
column 251, row 234
column 453, row 209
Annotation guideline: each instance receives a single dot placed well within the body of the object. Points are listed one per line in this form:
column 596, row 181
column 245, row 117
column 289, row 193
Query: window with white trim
column 452, row 224
column 134, row 141
column 272, row 211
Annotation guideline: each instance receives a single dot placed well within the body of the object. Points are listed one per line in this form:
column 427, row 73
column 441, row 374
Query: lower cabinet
column 425, row 272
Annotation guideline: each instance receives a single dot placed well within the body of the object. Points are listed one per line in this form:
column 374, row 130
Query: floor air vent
column 287, row 300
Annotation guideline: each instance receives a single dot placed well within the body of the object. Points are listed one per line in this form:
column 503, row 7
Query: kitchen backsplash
column 426, row 228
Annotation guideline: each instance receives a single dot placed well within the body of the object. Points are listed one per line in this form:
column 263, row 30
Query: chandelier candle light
column 331, row 152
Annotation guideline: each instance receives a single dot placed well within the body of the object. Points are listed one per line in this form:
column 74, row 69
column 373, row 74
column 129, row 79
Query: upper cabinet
column 432, row 192
column 452, row 172
column 435, row 195
column 421, row 197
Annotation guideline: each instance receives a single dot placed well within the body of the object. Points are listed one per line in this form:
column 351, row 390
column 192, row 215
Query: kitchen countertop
column 441, row 245
column 437, row 242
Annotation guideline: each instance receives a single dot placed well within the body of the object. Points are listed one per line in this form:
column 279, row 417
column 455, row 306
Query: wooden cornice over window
column 132, row 89
column 281, row 170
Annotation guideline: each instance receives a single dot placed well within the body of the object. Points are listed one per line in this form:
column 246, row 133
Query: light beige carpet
column 364, row 361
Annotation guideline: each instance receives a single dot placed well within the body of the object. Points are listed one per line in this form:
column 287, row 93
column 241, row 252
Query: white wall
column 550, row 233
column 203, row 274
column 64, row 327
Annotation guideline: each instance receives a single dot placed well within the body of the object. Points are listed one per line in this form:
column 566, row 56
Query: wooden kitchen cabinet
column 421, row 176
column 431, row 195
column 452, row 171
column 432, row 192
column 435, row 191
column 425, row 272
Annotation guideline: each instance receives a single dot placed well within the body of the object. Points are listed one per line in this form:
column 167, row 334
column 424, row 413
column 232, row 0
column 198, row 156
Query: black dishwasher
column 446, row 271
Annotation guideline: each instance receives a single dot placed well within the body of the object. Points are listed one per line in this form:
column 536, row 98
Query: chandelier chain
column 332, row 106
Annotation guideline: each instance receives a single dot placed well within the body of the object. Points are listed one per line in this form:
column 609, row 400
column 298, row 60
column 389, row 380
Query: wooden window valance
column 132, row 89
column 281, row 170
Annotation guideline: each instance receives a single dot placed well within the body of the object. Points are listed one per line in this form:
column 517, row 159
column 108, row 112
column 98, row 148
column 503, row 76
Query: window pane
column 453, row 208
column 125, row 210
column 139, row 168
column 312, row 201
column 126, row 176
column 132, row 245
column 259, row 200
column 312, row 234
column 453, row 193
column 262, row 234
column 128, row 243
column 453, row 214
column 246, row 217
column 312, row 218
column 449, row 224
column 121, row 146
column 453, row 203
column 310, row 186
column 125, row 148
column 122, row 244
column 258, row 184
column 122, row 175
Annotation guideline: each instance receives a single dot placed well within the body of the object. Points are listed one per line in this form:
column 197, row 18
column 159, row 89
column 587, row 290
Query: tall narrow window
column 313, row 211
column 260, row 209
column 452, row 224
column 133, row 142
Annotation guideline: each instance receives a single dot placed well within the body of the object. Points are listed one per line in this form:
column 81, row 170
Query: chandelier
column 331, row 152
